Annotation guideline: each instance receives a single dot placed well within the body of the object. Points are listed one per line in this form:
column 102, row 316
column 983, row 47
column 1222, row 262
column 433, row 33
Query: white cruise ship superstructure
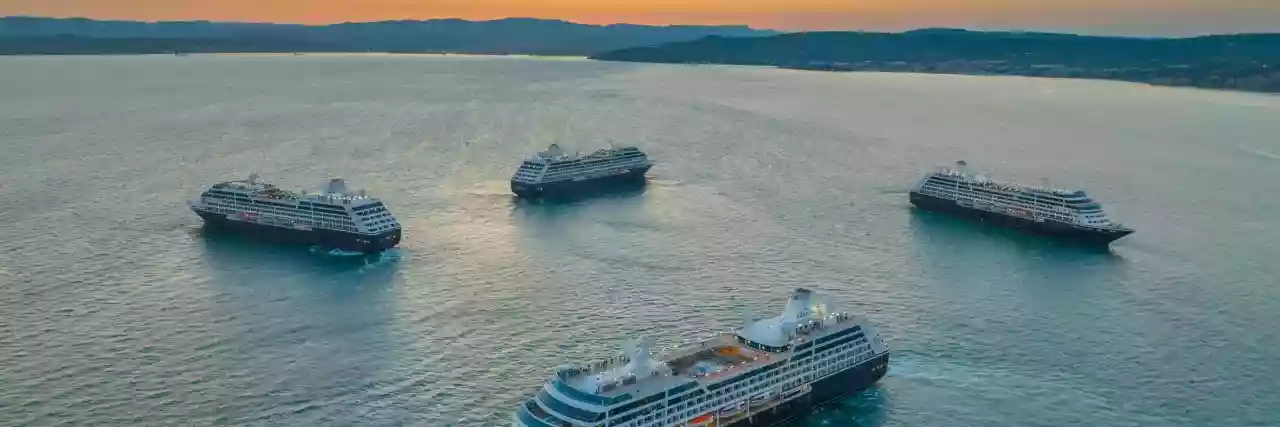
column 768, row 372
column 1044, row 210
column 335, row 218
column 556, row 173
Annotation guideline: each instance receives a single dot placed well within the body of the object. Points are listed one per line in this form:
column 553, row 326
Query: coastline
column 898, row 69
column 1239, row 62
column 1266, row 87
column 1272, row 92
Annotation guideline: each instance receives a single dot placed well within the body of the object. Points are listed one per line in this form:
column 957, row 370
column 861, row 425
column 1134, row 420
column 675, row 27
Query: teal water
column 116, row 309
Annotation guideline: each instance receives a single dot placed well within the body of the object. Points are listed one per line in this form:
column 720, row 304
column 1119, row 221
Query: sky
column 1133, row 17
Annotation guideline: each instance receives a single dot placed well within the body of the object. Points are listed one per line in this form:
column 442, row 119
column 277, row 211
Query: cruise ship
column 556, row 173
column 335, row 218
column 769, row 372
column 1043, row 210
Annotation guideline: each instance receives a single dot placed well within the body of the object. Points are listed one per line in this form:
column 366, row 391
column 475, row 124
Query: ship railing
column 1009, row 186
column 576, row 370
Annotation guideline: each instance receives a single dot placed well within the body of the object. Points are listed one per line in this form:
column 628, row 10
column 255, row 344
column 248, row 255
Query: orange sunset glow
column 1102, row 16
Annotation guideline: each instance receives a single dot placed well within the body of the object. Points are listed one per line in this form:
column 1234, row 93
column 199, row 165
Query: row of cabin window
column 580, row 162
column 370, row 211
column 979, row 188
column 664, row 415
column 859, row 337
column 739, row 393
column 1053, row 199
column 330, row 225
column 842, row 348
column 303, row 206
column 854, row 330
column 526, row 176
column 750, row 384
column 550, row 179
column 551, row 176
column 377, row 218
column 316, row 222
column 852, row 354
column 260, row 207
column 639, row 407
column 996, row 196
column 839, row 358
column 1040, row 209
column 601, row 164
column 293, row 214
column 661, row 411
column 745, row 380
column 578, row 165
column 1098, row 218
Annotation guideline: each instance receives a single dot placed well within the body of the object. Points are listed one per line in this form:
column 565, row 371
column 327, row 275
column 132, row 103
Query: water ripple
column 119, row 310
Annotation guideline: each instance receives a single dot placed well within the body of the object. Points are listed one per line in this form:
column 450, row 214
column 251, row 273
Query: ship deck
column 708, row 362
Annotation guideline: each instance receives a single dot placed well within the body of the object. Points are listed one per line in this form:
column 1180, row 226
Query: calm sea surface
column 116, row 309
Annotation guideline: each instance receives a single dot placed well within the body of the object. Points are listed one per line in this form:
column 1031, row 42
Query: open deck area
column 709, row 361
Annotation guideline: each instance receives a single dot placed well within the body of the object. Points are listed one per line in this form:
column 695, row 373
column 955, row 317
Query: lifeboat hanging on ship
column 732, row 410
column 787, row 395
column 705, row 420
column 764, row 397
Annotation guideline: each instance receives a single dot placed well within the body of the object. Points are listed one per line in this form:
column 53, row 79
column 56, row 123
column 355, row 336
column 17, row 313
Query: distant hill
column 33, row 36
column 1243, row 62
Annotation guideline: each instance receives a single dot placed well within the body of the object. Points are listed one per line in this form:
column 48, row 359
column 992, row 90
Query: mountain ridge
column 1249, row 61
column 40, row 35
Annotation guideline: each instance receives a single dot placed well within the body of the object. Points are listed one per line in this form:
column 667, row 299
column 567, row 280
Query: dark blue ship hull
column 829, row 390
column 631, row 179
column 1088, row 235
column 329, row 239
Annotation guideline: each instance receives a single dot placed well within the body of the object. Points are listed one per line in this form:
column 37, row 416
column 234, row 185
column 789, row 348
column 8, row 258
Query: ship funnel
column 798, row 305
column 336, row 186
column 253, row 178
column 962, row 167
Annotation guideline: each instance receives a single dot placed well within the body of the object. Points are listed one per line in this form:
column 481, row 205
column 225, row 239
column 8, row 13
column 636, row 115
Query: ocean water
column 117, row 309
